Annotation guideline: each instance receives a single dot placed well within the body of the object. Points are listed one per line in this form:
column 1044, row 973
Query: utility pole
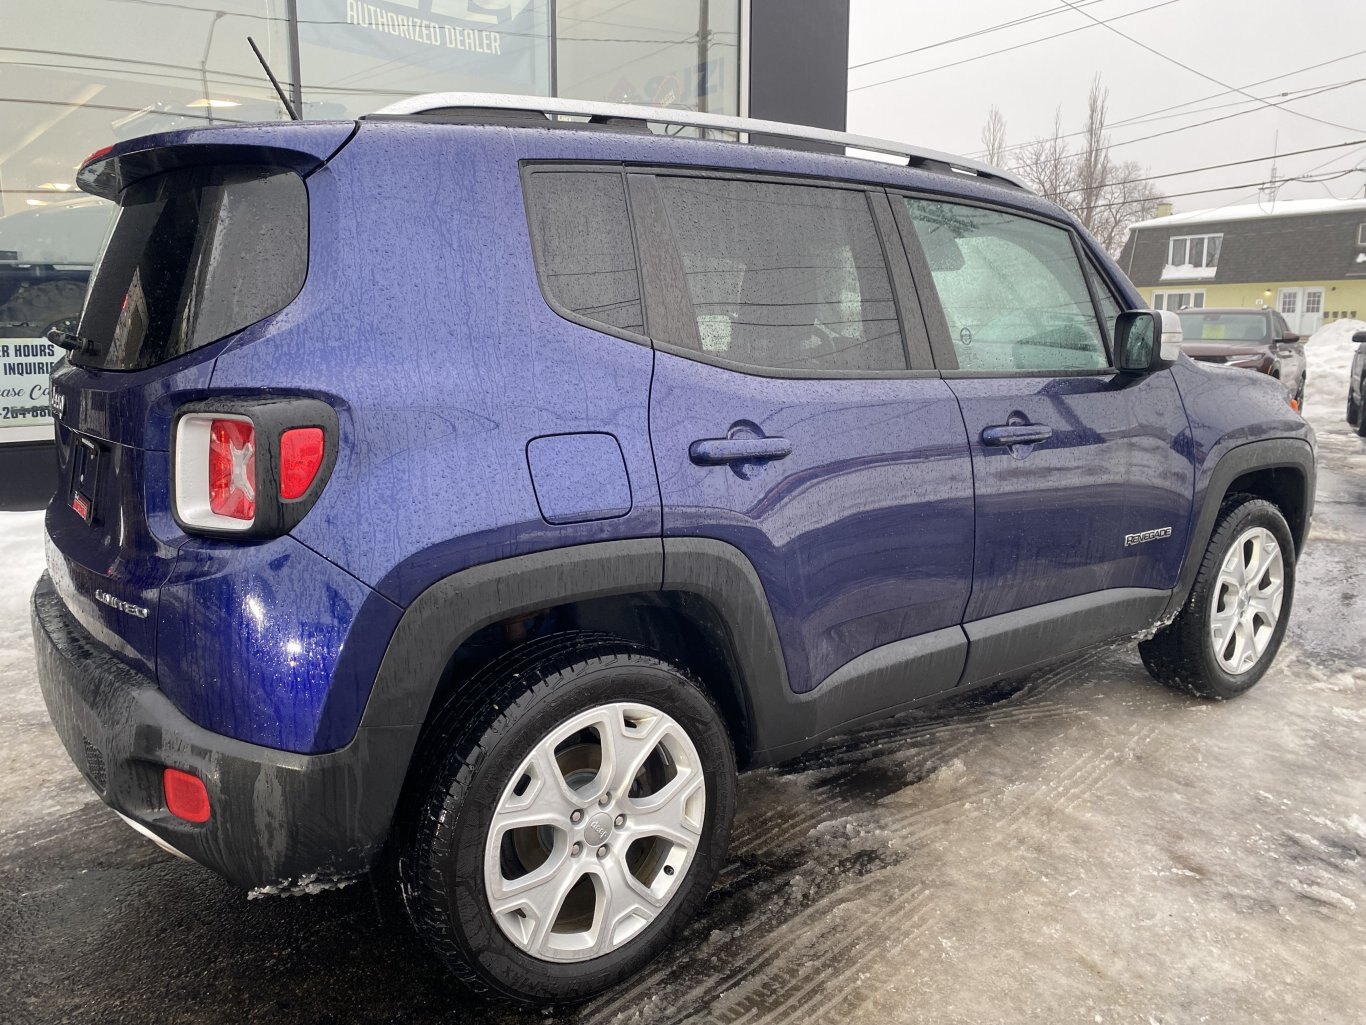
column 703, row 39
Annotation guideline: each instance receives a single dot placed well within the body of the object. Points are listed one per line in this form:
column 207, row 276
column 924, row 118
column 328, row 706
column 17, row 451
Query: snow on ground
column 1328, row 356
column 32, row 763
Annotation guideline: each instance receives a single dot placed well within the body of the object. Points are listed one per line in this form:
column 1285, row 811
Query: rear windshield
column 1223, row 327
column 194, row 255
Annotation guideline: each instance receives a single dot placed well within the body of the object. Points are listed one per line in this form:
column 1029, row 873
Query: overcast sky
column 1237, row 42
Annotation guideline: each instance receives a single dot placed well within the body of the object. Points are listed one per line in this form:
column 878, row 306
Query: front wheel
column 574, row 816
column 1232, row 624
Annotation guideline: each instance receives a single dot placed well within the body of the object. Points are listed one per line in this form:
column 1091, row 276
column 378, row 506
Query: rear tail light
column 254, row 471
column 232, row 469
column 215, row 471
column 186, row 796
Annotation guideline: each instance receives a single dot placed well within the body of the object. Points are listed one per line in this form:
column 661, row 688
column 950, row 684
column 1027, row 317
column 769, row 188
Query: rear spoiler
column 300, row 147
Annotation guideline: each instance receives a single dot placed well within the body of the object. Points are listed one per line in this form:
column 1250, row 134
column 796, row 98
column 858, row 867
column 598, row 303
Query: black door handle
column 1016, row 434
column 719, row 451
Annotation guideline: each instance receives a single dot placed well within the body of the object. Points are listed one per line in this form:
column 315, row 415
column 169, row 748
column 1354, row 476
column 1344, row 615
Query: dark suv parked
column 1253, row 339
column 491, row 485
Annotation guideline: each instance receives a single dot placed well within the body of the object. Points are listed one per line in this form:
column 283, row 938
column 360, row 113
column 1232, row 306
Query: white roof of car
column 1255, row 211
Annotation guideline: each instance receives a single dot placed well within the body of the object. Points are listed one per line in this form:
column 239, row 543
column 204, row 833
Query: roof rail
column 598, row 112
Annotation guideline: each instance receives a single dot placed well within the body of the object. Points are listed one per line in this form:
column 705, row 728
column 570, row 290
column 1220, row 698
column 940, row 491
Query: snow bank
column 1328, row 355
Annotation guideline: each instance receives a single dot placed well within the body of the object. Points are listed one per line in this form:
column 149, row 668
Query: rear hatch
column 210, row 237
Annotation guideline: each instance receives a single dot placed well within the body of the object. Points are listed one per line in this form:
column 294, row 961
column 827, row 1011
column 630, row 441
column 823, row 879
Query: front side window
column 587, row 258
column 1011, row 287
column 1110, row 308
column 784, row 277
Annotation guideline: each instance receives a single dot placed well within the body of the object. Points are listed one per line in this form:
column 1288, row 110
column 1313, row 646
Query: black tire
column 1353, row 411
column 467, row 758
column 1182, row 655
column 1360, row 422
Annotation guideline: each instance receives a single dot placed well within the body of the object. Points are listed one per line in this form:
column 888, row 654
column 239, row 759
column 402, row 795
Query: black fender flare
column 1268, row 454
column 451, row 610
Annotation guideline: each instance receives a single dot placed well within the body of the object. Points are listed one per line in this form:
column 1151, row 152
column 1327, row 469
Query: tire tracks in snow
column 811, row 958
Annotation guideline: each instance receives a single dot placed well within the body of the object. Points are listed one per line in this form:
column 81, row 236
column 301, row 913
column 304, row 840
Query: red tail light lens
column 232, row 469
column 301, row 454
column 186, row 796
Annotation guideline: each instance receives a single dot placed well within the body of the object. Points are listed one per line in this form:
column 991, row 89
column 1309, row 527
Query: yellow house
column 1304, row 257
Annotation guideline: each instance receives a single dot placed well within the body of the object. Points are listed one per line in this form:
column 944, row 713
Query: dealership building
column 81, row 74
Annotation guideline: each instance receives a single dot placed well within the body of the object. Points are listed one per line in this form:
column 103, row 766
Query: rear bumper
column 278, row 819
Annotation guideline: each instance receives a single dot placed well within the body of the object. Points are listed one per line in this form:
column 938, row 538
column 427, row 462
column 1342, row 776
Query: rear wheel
column 1360, row 421
column 1232, row 624
column 575, row 808
column 1353, row 411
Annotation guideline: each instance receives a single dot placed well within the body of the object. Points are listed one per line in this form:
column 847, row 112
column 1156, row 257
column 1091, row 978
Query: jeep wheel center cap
column 598, row 829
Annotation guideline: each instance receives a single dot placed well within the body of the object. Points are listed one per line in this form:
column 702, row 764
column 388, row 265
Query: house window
column 1192, row 256
column 1313, row 300
column 1361, row 235
column 1179, row 300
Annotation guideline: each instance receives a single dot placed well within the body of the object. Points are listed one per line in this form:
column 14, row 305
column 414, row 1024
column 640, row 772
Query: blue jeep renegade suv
column 486, row 481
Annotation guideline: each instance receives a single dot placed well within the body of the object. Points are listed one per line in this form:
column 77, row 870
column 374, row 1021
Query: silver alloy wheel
column 1247, row 600
column 594, row 832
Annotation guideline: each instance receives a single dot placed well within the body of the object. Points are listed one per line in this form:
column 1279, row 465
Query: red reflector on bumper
column 186, row 796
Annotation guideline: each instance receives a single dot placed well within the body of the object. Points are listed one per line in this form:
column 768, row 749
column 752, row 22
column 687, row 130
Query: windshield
column 194, row 255
column 1224, row 327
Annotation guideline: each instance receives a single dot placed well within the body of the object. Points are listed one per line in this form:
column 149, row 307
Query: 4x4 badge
column 1147, row 535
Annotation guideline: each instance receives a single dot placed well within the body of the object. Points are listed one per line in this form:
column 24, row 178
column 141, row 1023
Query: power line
column 1214, row 120
column 1220, row 167
column 1036, row 16
column 1007, row 49
column 1146, row 116
column 1194, row 71
column 1245, row 185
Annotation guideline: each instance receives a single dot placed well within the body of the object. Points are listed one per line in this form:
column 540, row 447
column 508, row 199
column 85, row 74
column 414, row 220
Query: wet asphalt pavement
column 1092, row 848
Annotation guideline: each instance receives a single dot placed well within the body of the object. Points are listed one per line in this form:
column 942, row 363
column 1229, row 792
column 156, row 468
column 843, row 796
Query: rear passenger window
column 582, row 234
column 786, row 277
column 1011, row 288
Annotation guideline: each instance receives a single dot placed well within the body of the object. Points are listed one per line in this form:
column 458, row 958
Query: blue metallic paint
column 270, row 643
column 861, row 537
column 579, row 477
column 1052, row 517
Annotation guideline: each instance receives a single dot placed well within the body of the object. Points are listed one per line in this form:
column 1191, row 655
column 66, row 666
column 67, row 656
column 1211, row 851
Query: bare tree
column 1048, row 164
column 1125, row 200
column 994, row 137
column 1105, row 196
column 1093, row 162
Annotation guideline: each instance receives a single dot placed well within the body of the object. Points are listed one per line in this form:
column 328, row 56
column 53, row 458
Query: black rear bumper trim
column 277, row 816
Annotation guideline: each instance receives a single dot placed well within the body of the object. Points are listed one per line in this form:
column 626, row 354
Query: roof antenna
column 293, row 114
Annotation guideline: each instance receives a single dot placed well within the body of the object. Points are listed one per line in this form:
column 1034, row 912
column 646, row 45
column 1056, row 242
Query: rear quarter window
column 582, row 234
column 195, row 255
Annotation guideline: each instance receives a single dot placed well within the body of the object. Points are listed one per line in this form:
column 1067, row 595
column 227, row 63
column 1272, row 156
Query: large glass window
column 1011, row 288
column 683, row 54
column 785, row 276
column 583, row 237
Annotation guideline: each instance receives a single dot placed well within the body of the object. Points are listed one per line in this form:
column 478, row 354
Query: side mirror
column 1291, row 336
column 1359, row 338
column 1146, row 340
